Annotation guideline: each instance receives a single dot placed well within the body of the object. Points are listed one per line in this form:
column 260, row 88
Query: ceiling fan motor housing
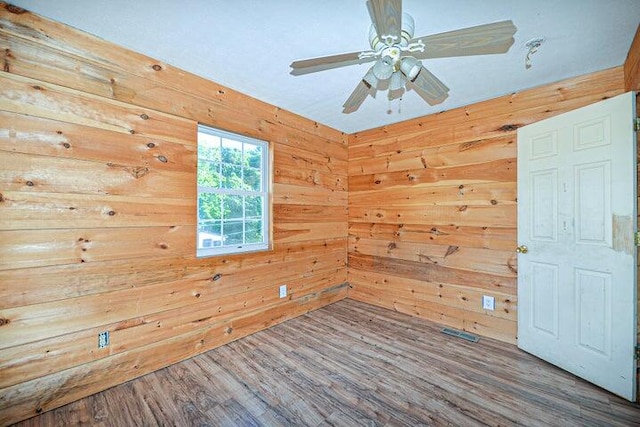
column 377, row 43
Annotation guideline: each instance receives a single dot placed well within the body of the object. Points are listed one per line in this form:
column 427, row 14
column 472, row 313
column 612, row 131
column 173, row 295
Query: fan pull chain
column 390, row 109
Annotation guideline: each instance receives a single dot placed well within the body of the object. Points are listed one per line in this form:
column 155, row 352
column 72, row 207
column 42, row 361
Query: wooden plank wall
column 432, row 206
column 98, row 216
column 632, row 64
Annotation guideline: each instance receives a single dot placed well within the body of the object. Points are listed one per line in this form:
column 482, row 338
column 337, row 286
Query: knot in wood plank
column 451, row 250
column 468, row 145
column 508, row 127
column 6, row 64
column 138, row 171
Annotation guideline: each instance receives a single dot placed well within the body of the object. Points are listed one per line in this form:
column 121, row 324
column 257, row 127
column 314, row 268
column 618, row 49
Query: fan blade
column 371, row 79
column 357, row 97
column 387, row 18
column 481, row 40
column 429, row 87
column 306, row 66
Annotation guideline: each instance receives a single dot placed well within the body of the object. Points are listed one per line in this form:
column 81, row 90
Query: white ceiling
column 248, row 45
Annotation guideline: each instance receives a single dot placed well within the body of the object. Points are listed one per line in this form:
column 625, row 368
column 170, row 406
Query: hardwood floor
column 353, row 364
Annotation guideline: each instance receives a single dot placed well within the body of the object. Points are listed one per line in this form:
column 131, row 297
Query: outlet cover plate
column 283, row 291
column 488, row 302
column 103, row 339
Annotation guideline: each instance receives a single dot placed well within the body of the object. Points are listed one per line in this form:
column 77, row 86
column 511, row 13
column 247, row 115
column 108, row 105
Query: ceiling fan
column 397, row 54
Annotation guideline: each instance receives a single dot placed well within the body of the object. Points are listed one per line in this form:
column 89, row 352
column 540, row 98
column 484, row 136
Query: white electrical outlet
column 488, row 303
column 103, row 339
column 283, row 291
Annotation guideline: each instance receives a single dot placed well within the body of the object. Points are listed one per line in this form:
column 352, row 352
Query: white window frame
column 264, row 193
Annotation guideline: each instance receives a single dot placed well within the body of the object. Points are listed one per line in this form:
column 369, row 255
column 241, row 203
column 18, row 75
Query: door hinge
column 636, row 124
column 638, row 352
column 636, row 238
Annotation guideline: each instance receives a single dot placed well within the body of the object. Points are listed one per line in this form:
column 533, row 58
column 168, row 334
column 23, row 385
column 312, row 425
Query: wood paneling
column 58, row 140
column 352, row 364
column 432, row 206
column 26, row 210
column 98, row 216
column 632, row 64
column 58, row 282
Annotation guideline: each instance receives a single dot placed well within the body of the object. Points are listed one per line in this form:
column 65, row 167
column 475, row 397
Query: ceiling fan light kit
column 396, row 82
column 410, row 67
column 398, row 55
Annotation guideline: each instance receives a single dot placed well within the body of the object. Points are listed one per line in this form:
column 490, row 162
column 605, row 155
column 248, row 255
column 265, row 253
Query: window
column 233, row 193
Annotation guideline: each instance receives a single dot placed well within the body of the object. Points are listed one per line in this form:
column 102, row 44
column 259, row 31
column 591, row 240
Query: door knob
column 522, row 249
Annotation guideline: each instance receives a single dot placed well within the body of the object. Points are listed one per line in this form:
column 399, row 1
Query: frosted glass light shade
column 410, row 67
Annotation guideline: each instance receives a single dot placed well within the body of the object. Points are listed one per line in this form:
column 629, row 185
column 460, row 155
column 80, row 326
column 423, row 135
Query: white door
column 577, row 200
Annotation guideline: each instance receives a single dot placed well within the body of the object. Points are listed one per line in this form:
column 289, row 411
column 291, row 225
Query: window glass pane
column 231, row 176
column 208, row 173
column 210, row 233
column 209, row 147
column 253, row 233
column 252, row 179
column 231, row 152
column 232, row 232
column 253, row 207
column 253, row 156
column 233, row 208
column 209, row 207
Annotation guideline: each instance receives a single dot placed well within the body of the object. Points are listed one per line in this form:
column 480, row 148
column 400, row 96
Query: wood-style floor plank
column 352, row 364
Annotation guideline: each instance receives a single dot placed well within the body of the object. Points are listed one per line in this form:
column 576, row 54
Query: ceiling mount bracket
column 532, row 45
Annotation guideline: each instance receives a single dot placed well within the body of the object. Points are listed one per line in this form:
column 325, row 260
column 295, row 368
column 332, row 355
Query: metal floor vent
column 461, row 334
